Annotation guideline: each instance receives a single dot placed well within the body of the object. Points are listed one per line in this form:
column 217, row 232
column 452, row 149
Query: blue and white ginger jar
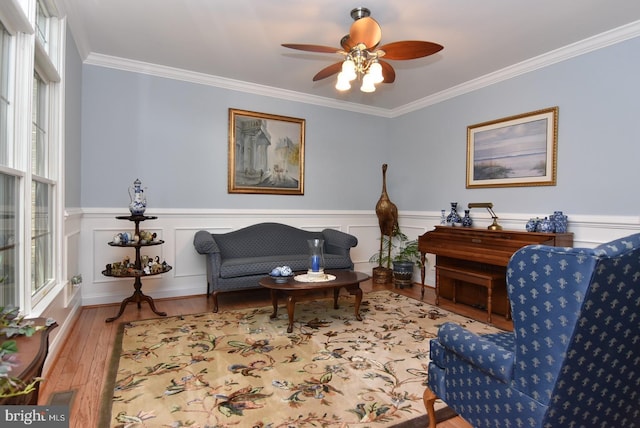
column 560, row 221
column 532, row 225
column 547, row 226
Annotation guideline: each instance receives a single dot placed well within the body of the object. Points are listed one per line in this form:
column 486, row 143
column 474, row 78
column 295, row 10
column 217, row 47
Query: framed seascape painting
column 266, row 153
column 514, row 151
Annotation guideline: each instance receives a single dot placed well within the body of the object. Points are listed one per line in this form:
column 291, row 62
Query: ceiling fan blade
column 328, row 71
column 410, row 49
column 388, row 73
column 366, row 30
column 311, row 48
column 347, row 43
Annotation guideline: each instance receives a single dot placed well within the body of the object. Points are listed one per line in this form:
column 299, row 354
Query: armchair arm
column 204, row 243
column 337, row 242
column 478, row 351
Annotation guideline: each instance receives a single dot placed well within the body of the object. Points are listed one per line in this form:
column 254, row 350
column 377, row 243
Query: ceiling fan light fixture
column 367, row 84
column 375, row 70
column 343, row 83
column 349, row 69
column 362, row 54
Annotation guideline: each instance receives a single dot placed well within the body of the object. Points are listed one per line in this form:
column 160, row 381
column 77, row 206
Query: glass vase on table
column 316, row 257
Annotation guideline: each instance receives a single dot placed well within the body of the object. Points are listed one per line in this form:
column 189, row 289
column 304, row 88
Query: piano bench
column 482, row 278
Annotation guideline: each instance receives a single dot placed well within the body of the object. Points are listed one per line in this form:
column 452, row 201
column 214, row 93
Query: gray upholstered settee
column 237, row 260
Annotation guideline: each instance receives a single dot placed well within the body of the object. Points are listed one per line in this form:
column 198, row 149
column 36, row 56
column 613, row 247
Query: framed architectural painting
column 266, row 153
column 514, row 151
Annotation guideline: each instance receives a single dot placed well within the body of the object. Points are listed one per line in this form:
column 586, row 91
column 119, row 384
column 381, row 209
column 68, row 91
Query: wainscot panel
column 177, row 227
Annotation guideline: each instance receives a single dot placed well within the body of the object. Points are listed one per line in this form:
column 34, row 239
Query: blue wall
column 173, row 135
column 598, row 139
column 72, row 125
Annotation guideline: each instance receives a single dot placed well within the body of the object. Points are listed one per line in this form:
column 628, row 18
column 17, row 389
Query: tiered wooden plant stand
column 137, row 272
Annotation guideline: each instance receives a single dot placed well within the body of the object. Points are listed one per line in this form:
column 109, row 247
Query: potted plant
column 12, row 324
column 402, row 253
column 405, row 260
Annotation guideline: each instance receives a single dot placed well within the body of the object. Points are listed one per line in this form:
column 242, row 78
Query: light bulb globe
column 343, row 83
column 349, row 69
column 376, row 72
column 367, row 84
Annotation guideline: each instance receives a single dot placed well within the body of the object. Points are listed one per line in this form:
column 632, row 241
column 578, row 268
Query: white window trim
column 52, row 72
column 14, row 17
column 18, row 17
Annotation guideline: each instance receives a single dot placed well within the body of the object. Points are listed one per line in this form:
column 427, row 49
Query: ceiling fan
column 362, row 54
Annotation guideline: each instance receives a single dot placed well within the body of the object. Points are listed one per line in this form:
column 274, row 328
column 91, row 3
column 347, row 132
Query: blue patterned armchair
column 573, row 358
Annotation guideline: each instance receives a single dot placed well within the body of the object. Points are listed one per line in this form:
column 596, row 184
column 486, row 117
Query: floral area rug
column 242, row 369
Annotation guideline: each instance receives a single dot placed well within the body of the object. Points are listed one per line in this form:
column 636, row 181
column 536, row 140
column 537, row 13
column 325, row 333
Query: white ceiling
column 240, row 39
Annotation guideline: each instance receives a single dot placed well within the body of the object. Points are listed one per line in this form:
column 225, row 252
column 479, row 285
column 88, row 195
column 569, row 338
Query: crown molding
column 225, row 83
column 612, row 37
column 582, row 47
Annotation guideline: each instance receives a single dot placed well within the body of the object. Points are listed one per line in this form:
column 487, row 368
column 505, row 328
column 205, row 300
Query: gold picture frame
column 514, row 151
column 266, row 153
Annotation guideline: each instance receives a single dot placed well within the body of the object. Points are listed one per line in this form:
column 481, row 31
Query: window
column 8, row 186
column 42, row 24
column 9, row 295
column 41, row 201
column 39, row 125
column 5, row 39
column 31, row 51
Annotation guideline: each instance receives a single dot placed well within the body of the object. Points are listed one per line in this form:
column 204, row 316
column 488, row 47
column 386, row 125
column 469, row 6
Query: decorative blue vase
column 138, row 201
column 532, row 225
column 560, row 221
column 453, row 216
column 466, row 220
column 547, row 226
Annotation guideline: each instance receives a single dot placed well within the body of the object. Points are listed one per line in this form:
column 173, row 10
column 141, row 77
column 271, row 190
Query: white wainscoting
column 177, row 228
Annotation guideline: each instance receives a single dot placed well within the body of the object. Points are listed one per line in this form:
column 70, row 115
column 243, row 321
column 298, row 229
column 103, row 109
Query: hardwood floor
column 81, row 364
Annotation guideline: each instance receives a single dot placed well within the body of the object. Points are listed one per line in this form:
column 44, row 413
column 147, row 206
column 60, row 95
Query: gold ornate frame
column 514, row 151
column 266, row 153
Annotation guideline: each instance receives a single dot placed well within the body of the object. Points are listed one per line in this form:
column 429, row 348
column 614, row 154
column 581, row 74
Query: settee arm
column 204, row 243
column 337, row 242
column 485, row 355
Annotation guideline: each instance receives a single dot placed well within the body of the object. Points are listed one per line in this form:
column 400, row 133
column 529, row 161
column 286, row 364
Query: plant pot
column 382, row 275
column 403, row 274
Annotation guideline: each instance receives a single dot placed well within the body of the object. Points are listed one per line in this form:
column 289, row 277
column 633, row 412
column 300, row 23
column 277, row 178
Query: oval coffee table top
column 343, row 277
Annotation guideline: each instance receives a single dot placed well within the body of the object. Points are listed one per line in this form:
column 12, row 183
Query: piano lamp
column 488, row 206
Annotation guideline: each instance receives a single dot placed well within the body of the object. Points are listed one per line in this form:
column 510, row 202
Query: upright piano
column 471, row 250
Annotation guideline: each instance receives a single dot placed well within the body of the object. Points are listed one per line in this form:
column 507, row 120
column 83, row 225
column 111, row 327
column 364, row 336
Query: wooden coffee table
column 349, row 280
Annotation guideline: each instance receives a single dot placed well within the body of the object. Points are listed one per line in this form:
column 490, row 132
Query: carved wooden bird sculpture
column 387, row 214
